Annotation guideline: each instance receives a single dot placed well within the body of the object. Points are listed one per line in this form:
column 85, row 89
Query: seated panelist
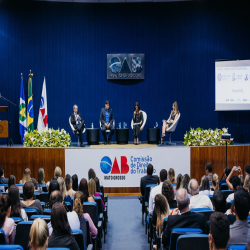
column 137, row 120
column 172, row 118
column 107, row 122
column 77, row 122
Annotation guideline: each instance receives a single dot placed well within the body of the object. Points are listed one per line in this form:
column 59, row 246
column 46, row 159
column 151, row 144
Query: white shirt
column 73, row 219
column 230, row 197
column 156, row 190
column 200, row 201
column 205, row 192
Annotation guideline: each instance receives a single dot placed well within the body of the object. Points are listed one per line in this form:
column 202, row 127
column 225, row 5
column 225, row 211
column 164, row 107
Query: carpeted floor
column 124, row 226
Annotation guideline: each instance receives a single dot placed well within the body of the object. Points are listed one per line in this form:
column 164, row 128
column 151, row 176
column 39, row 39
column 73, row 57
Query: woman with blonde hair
column 215, row 183
column 92, row 192
column 247, row 183
column 62, row 189
column 57, row 172
column 171, row 176
column 26, row 176
column 39, row 235
column 172, row 118
column 178, row 181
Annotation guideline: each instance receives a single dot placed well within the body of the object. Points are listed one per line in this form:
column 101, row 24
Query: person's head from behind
column 150, row 169
column 185, row 181
column 54, row 185
column 91, row 174
column 219, row 231
column 78, row 203
column 11, row 181
column 227, row 171
column 68, row 182
column 40, row 176
column 5, row 208
column 14, row 196
column 1, row 171
column 97, row 184
column 241, row 204
column 168, row 190
column 178, row 181
column 26, row 175
column 137, row 106
column 182, row 200
column 247, row 169
column 208, row 168
column 215, row 182
column 163, row 175
column 107, row 104
column 204, row 183
column 75, row 182
column 62, row 186
column 56, row 196
column 247, row 183
column 171, row 175
column 235, row 182
column 92, row 187
column 59, row 219
column 28, row 190
column 83, row 187
column 39, row 235
column 219, row 202
column 193, row 187
column 58, row 172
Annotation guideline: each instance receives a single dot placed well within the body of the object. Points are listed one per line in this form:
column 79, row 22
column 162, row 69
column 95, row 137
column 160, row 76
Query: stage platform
column 120, row 167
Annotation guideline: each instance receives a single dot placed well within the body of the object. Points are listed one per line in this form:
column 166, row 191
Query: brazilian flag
column 22, row 112
column 30, row 113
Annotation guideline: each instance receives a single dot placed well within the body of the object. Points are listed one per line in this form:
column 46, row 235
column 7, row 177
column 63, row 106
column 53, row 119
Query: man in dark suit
column 107, row 122
column 3, row 180
column 182, row 217
column 78, row 123
column 148, row 179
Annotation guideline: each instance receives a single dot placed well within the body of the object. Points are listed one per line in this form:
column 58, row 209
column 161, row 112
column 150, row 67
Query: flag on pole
column 30, row 114
column 22, row 112
column 42, row 123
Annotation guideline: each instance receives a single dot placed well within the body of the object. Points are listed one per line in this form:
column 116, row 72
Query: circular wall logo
column 106, row 164
column 30, row 108
column 115, row 64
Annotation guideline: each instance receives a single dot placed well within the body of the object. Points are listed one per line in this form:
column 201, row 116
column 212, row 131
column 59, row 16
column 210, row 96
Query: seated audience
column 182, row 217
column 178, row 181
column 204, row 188
column 61, row 236
column 198, row 200
column 91, row 174
column 39, row 235
column 65, row 196
column 209, row 171
column 168, row 192
column 41, row 180
column 26, row 176
column 78, row 208
column 184, row 183
column 232, row 186
column 28, row 193
column 3, row 180
column 171, row 176
column 74, row 223
column 219, row 231
column 83, row 187
column 57, row 173
column 148, row 179
column 75, row 182
column 215, row 183
column 68, row 183
column 53, row 185
column 11, row 181
column 6, row 223
column 157, row 190
column 226, row 172
column 93, row 193
column 240, row 230
column 16, row 208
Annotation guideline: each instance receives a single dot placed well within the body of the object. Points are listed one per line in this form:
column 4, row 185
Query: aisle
column 124, row 227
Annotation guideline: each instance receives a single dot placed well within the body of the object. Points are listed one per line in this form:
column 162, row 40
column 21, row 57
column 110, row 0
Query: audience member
column 219, row 231
column 209, row 171
column 57, row 173
column 83, row 187
column 16, row 208
column 62, row 189
column 61, row 236
column 93, row 193
column 3, row 180
column 28, row 193
column 78, row 208
column 148, row 179
column 171, row 176
column 11, row 181
column 178, row 181
column 91, row 174
column 68, row 183
column 41, row 180
column 97, row 182
column 182, row 217
column 198, row 200
column 247, row 169
column 157, row 190
column 168, row 192
column 75, row 182
column 226, row 172
column 39, row 235
column 6, row 223
column 54, row 185
column 247, row 183
column 204, row 188
column 240, row 230
column 235, row 183
column 26, row 176
column 215, row 183
column 184, row 183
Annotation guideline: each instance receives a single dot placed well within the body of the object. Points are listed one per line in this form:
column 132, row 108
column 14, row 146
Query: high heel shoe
column 161, row 141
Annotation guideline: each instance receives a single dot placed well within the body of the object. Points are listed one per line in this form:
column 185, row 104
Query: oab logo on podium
column 125, row 66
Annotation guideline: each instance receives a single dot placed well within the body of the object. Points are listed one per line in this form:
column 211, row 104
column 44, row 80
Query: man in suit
column 3, row 180
column 148, row 179
column 78, row 123
column 181, row 217
column 107, row 122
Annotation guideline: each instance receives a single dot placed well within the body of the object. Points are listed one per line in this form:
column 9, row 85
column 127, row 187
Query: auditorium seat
column 47, row 218
column 74, row 132
column 69, row 206
column 229, row 204
column 11, row 247
column 22, row 234
column 227, row 192
column 44, row 197
column 47, row 211
column 224, row 186
column 237, row 247
column 3, row 187
column 102, row 214
column 2, row 237
column 30, row 211
column 17, row 219
column 93, row 238
column 193, row 241
column 172, row 128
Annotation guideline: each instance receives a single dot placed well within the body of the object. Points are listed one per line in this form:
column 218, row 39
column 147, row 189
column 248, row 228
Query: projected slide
column 232, row 85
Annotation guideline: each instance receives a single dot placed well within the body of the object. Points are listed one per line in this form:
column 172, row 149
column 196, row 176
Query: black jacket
column 103, row 116
column 147, row 180
column 3, row 180
column 68, row 241
column 73, row 119
column 186, row 220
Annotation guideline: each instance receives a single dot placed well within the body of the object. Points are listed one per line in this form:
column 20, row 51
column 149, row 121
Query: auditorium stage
column 120, row 167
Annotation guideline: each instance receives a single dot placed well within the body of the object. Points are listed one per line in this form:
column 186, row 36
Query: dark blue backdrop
column 69, row 42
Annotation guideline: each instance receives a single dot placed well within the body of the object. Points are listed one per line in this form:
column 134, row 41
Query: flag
column 30, row 114
column 42, row 123
column 22, row 112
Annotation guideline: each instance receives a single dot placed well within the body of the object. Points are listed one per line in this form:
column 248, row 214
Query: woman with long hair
column 11, row 181
column 62, row 189
column 93, row 193
column 171, row 176
column 215, row 183
column 78, row 208
column 91, row 173
column 205, row 187
column 172, row 118
column 6, row 223
column 246, row 184
column 68, row 183
column 39, row 235
column 83, row 187
column 75, row 182
column 41, row 180
column 137, row 120
column 168, row 192
column 16, row 208
column 178, row 181
column 26, row 176
column 61, row 236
